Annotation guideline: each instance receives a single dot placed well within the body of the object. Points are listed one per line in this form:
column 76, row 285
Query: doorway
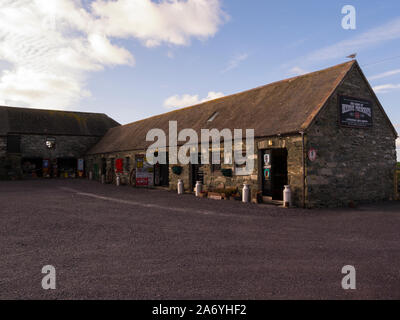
column 274, row 175
column 103, row 167
column 161, row 173
column 196, row 172
column 67, row 167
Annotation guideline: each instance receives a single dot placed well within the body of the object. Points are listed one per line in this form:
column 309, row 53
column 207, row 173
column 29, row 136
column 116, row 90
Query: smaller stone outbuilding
column 37, row 143
column 325, row 134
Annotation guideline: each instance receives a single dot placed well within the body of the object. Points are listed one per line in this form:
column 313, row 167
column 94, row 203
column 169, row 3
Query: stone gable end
column 353, row 164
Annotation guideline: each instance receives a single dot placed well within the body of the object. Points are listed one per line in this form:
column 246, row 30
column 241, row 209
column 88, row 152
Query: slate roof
column 51, row 122
column 283, row 107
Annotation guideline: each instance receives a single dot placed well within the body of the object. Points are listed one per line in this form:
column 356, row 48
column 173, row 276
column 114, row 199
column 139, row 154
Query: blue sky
column 139, row 67
column 275, row 36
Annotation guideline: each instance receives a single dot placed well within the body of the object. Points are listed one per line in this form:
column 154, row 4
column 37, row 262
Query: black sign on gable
column 355, row 113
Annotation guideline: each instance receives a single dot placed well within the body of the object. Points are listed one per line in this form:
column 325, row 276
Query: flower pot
column 227, row 172
column 177, row 170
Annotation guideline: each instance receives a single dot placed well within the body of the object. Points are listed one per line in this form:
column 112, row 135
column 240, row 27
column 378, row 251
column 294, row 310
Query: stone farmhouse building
column 324, row 133
column 37, row 143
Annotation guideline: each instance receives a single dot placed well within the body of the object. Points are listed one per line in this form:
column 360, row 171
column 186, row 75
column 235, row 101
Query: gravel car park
column 111, row 242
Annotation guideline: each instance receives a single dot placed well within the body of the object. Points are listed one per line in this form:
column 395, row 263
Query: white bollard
column 287, row 197
column 246, row 193
column 118, row 181
column 199, row 188
column 180, row 186
column 90, row 175
column 103, row 179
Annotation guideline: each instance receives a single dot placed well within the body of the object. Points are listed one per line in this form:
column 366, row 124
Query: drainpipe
column 304, row 168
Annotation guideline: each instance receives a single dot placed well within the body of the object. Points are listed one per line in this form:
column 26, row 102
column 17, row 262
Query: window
column 14, row 144
column 212, row 118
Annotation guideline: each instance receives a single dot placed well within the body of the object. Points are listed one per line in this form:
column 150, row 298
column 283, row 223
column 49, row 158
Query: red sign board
column 119, row 165
column 142, row 182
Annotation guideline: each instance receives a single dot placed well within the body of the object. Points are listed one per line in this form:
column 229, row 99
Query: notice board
column 144, row 172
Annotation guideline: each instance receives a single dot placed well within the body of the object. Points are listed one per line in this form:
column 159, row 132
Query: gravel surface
column 109, row 242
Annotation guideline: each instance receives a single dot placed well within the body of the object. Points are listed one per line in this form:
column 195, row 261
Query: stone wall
column 66, row 146
column 353, row 165
column 92, row 160
column 34, row 146
column 3, row 146
column 3, row 151
column 184, row 176
column 9, row 164
column 215, row 179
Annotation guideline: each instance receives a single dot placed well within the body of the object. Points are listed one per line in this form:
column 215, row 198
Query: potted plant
column 227, row 172
column 237, row 196
column 203, row 194
column 177, row 170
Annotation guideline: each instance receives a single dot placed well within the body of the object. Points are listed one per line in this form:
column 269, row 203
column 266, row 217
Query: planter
column 215, row 196
column 226, row 192
column 203, row 195
column 177, row 170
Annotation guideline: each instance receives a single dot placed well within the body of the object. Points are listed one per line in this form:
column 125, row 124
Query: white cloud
column 171, row 21
column 48, row 47
column 384, row 88
column 297, row 71
column 213, row 95
column 235, row 61
column 373, row 37
column 385, row 74
column 186, row 100
column 106, row 53
column 28, row 88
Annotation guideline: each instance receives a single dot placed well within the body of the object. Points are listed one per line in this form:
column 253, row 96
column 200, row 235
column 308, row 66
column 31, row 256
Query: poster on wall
column 144, row 172
column 355, row 113
column 81, row 167
column 81, row 164
column 119, row 165
column 267, row 166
